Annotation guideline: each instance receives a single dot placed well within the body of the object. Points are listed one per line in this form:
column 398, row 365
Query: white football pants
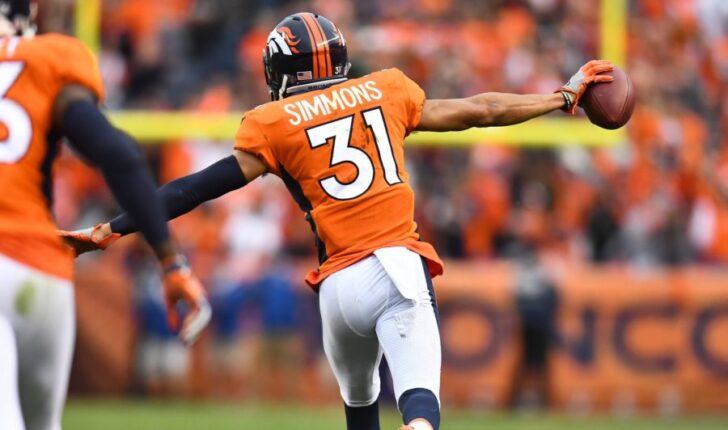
column 36, row 345
column 381, row 304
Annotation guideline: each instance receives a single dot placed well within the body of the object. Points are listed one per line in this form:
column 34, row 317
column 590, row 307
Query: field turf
column 85, row 414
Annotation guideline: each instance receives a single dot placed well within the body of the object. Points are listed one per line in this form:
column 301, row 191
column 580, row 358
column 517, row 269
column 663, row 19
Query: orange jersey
column 340, row 152
column 32, row 73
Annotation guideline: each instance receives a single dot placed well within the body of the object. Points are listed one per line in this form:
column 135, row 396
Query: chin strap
column 284, row 87
column 298, row 89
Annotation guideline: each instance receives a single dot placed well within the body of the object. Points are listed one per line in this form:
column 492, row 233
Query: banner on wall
column 479, row 334
column 629, row 341
column 623, row 341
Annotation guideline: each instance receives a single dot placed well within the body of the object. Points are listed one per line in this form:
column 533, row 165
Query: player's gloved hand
column 89, row 239
column 180, row 285
column 588, row 74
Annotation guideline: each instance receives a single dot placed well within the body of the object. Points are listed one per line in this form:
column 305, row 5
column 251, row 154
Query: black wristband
column 567, row 102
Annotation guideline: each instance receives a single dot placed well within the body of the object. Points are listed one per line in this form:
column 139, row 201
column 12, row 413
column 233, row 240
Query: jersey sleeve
column 250, row 138
column 414, row 101
column 76, row 64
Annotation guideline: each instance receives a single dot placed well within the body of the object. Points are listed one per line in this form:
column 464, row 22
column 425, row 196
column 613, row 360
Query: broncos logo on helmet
column 305, row 51
column 282, row 39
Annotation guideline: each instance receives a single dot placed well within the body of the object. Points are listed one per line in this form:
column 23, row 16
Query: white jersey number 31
column 340, row 132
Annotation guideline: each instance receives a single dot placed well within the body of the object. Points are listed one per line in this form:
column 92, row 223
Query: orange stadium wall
column 625, row 341
column 650, row 341
column 103, row 362
column 479, row 332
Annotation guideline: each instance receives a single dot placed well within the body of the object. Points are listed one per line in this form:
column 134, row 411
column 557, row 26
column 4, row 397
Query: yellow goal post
column 160, row 126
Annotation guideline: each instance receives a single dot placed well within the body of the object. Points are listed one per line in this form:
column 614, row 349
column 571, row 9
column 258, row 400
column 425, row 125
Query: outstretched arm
column 184, row 194
column 119, row 159
column 501, row 109
column 486, row 110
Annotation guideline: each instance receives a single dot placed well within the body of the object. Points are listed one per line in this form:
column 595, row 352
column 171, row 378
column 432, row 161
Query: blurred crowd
column 659, row 199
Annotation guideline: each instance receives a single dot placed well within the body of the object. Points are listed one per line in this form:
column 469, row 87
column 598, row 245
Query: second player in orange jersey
column 32, row 73
column 338, row 145
column 50, row 87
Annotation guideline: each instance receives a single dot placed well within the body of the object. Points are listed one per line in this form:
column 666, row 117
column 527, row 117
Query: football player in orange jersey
column 338, row 145
column 49, row 88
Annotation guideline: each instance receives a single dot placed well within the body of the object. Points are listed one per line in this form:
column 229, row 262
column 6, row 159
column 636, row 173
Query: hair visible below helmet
column 18, row 16
column 305, row 51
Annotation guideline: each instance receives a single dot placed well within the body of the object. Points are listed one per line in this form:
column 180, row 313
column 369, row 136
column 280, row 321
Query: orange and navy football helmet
column 305, row 51
column 18, row 16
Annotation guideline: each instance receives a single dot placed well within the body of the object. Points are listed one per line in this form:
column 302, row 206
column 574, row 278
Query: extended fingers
column 78, row 236
column 597, row 66
column 79, row 242
column 602, row 69
column 599, row 63
column 600, row 78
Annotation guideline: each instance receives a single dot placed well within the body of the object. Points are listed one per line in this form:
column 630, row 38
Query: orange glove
column 588, row 74
column 89, row 239
column 180, row 285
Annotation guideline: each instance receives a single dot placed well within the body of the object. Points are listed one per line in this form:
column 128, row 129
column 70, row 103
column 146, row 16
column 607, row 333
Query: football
column 609, row 105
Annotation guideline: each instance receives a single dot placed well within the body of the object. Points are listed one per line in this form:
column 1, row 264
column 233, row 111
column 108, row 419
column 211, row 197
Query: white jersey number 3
column 340, row 132
column 13, row 117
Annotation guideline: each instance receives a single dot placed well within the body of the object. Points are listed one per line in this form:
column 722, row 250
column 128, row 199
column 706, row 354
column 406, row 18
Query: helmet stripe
column 326, row 53
column 319, row 42
column 312, row 41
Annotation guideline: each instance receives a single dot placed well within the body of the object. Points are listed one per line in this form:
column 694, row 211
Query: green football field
column 157, row 415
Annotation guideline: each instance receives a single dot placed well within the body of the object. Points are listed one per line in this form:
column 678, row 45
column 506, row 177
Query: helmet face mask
column 18, row 17
column 304, row 52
